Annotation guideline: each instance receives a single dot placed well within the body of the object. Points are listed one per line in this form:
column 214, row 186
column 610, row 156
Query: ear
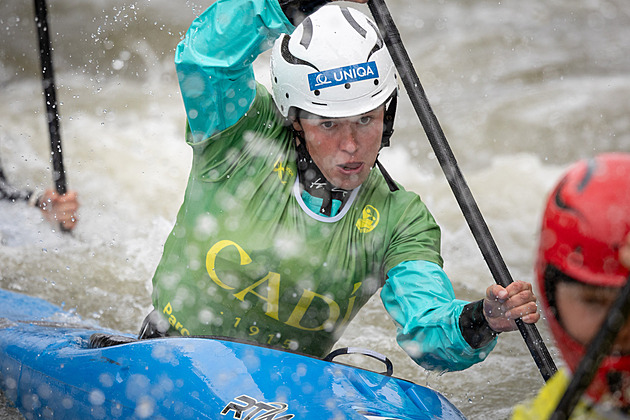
column 296, row 125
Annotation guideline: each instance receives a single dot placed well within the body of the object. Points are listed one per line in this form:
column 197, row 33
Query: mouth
column 350, row 167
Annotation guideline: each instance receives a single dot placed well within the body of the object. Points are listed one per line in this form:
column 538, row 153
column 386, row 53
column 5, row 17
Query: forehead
column 310, row 116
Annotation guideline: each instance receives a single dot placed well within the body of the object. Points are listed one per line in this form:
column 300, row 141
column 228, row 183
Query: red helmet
column 586, row 218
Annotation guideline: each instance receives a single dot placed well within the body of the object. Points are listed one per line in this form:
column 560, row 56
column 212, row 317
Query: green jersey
column 248, row 259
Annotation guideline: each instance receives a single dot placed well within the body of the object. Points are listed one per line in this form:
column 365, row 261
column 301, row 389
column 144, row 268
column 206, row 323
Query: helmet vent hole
column 287, row 95
column 316, row 92
column 275, row 79
column 347, row 86
column 375, row 82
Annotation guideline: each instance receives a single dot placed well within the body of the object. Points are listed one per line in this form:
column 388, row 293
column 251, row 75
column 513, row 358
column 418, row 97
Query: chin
column 350, row 184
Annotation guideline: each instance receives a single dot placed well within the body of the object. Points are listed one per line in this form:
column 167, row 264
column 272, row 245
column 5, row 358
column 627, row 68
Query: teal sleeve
column 419, row 297
column 214, row 61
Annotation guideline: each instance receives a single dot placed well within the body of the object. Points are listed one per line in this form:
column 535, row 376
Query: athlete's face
column 583, row 310
column 344, row 149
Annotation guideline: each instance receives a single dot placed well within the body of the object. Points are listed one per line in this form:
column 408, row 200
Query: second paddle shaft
column 50, row 96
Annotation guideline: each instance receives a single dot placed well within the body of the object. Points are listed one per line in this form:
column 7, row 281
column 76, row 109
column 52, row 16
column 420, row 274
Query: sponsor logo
column 259, row 410
column 317, row 184
column 343, row 75
column 268, row 289
column 172, row 319
column 284, row 173
column 369, row 219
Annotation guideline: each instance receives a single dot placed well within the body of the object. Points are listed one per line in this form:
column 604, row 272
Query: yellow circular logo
column 369, row 219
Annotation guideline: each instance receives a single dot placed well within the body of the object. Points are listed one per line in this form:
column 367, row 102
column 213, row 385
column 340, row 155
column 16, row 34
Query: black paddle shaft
column 455, row 178
column 50, row 96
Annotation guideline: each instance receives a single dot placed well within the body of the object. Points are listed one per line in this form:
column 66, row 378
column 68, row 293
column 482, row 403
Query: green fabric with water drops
column 246, row 260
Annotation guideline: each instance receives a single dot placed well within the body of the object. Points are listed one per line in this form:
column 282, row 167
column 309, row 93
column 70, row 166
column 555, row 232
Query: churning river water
column 521, row 90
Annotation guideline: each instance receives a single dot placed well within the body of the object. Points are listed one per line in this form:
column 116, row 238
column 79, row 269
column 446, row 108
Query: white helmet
column 334, row 64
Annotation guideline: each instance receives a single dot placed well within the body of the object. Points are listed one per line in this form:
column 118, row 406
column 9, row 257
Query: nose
column 348, row 141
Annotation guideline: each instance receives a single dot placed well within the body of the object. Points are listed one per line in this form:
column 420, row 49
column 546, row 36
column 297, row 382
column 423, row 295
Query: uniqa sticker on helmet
column 342, row 75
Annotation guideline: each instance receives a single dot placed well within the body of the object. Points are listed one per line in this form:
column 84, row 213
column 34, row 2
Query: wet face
column 582, row 310
column 344, row 149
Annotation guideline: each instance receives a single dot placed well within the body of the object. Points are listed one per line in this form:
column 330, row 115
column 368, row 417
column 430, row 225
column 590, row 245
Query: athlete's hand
column 61, row 209
column 624, row 252
column 502, row 306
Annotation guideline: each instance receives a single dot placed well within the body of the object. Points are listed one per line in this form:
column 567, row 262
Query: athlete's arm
column 8, row 192
column 438, row 331
column 214, row 61
column 56, row 208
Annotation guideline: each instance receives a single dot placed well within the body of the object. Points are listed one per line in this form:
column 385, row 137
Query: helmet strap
column 551, row 277
column 388, row 130
column 388, row 119
column 390, row 182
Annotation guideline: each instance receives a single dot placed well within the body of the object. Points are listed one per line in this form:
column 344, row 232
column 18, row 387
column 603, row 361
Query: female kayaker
column 286, row 231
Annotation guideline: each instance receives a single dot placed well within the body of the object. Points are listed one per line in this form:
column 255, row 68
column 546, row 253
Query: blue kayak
column 51, row 366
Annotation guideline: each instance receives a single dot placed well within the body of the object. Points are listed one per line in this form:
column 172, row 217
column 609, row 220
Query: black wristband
column 474, row 326
column 297, row 10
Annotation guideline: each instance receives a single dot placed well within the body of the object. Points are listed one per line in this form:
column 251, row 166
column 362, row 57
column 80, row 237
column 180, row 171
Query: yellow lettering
column 273, row 293
column 346, row 318
column 211, row 257
column 168, row 309
column 302, row 306
column 290, row 344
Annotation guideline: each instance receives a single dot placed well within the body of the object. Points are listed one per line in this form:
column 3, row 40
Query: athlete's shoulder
column 262, row 118
column 545, row 402
column 376, row 188
column 263, row 102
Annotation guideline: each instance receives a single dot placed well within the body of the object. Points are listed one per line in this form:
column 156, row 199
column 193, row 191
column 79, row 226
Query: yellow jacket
column 541, row 407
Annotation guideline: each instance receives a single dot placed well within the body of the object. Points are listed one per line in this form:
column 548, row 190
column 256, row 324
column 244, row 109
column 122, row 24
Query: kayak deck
column 48, row 369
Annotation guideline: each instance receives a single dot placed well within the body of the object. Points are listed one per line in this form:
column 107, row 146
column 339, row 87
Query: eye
column 365, row 120
column 603, row 298
column 327, row 124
